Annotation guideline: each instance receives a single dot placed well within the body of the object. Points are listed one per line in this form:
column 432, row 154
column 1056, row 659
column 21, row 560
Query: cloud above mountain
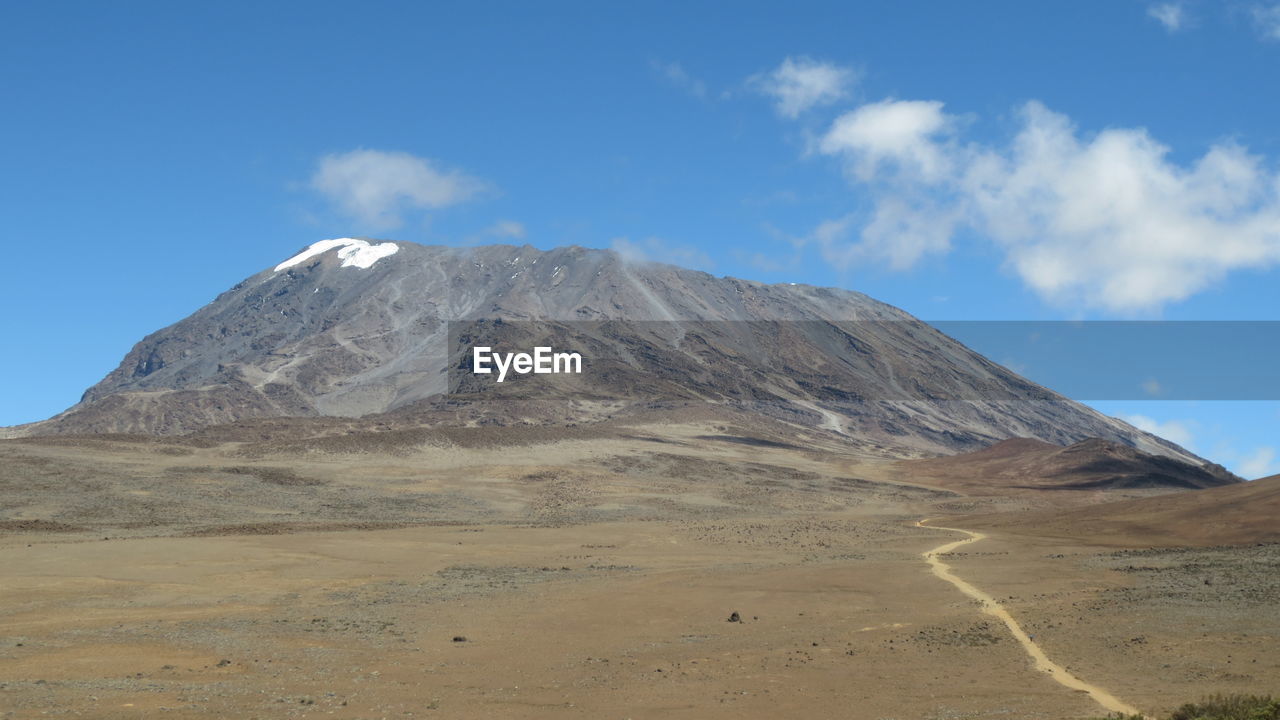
column 654, row 249
column 1178, row 431
column 1260, row 463
column 1106, row 221
column 377, row 188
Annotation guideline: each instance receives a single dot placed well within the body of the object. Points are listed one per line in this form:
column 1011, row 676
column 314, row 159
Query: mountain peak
column 354, row 252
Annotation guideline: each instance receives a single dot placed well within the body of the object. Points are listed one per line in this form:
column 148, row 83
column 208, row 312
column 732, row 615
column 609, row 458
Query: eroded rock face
column 353, row 328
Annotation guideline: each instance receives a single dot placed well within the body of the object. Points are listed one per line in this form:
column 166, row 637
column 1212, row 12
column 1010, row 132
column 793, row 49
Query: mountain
column 1092, row 464
column 353, row 327
column 1235, row 514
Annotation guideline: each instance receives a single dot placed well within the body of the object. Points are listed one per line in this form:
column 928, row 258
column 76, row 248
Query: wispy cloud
column 1175, row 431
column 506, row 229
column 1261, row 463
column 831, row 238
column 1266, row 18
column 800, row 84
column 1105, row 221
column 376, row 188
column 675, row 74
column 654, row 249
column 766, row 262
column 1172, row 15
column 499, row 230
column 775, row 261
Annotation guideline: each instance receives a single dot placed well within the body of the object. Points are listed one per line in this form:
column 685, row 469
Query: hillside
column 1092, row 464
column 1237, row 514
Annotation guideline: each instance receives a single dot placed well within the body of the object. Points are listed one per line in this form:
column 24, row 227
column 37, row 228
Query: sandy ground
column 579, row 578
column 936, row 557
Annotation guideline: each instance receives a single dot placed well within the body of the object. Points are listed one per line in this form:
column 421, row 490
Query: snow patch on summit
column 353, row 252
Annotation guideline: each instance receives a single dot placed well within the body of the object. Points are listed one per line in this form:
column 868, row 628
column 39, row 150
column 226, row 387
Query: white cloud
column 1110, row 222
column 377, row 187
column 800, row 84
column 675, row 74
column 899, row 235
column 1261, row 463
column 1107, row 221
column 832, row 240
column 1175, row 431
column 1267, row 19
column 654, row 249
column 1171, row 15
column 903, row 134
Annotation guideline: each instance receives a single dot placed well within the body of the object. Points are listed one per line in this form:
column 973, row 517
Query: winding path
column 991, row 607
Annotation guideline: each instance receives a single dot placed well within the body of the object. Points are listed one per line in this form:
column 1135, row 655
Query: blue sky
column 964, row 161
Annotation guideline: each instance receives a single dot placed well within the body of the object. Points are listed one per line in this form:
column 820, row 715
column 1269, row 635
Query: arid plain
column 590, row 572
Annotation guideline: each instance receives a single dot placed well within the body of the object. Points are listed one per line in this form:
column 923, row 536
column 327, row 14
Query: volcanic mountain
column 354, row 327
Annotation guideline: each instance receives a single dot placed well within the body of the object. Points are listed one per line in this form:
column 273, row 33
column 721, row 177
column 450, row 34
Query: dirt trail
column 991, row 607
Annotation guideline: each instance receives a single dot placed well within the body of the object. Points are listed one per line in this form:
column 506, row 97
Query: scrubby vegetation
column 1222, row 707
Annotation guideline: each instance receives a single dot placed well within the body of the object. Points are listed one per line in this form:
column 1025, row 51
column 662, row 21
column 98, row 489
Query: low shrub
column 1230, row 707
column 1221, row 707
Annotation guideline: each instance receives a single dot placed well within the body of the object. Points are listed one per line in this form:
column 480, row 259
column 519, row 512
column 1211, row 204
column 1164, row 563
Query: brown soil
column 592, row 574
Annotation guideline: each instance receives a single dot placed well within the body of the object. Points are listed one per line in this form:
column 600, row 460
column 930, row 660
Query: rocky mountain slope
column 353, row 327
